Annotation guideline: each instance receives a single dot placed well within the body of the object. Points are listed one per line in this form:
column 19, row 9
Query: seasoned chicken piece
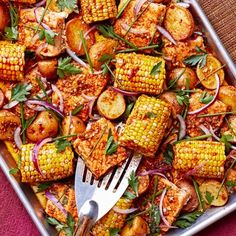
column 177, row 53
column 30, row 38
column 92, row 147
column 78, row 90
column 193, row 121
column 144, row 28
column 229, row 128
column 65, row 194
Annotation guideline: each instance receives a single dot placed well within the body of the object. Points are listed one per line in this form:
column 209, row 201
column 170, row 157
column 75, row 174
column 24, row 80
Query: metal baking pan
column 33, row 206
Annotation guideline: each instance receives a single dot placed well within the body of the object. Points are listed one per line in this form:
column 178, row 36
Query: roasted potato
column 187, row 186
column 107, row 46
column 4, row 17
column 227, row 95
column 48, row 68
column 8, row 123
column 45, row 125
column 179, row 22
column 138, row 227
column 170, row 97
column 182, row 76
column 73, row 28
column 75, row 126
column 210, row 189
column 208, row 80
column 111, row 104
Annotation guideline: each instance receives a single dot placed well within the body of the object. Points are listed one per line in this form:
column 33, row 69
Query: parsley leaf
column 169, row 154
column 114, row 232
column 49, row 35
column 61, row 144
column 77, row 110
column 197, row 59
column 156, row 68
column 129, row 195
column 106, row 59
column 13, row 171
column 155, row 219
column 111, row 145
column 226, row 139
column 43, row 186
column 69, row 4
column 65, row 68
column 231, row 183
column 187, row 220
column 150, row 115
column 28, row 123
column 182, row 98
column 20, row 91
column 205, row 98
column 133, row 182
column 209, row 197
column 128, row 110
column 70, row 222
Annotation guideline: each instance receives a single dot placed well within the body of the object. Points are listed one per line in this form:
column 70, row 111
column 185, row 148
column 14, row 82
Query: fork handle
column 84, row 227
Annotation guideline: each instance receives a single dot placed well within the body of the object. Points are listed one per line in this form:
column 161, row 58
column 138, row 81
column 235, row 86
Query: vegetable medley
column 101, row 79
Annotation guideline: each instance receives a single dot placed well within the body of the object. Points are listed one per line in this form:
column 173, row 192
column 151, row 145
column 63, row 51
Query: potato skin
column 227, row 95
column 48, row 68
column 107, row 46
column 77, row 125
column 4, row 17
column 8, row 123
column 183, row 74
column 45, row 125
column 179, row 22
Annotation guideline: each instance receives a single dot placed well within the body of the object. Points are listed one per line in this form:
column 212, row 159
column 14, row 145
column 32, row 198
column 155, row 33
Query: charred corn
column 112, row 219
column 139, row 73
column 21, row 1
column 205, row 158
column 146, row 125
column 53, row 165
column 11, row 61
column 98, row 10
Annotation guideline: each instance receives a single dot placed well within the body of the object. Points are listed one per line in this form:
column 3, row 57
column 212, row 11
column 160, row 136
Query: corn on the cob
column 146, row 125
column 21, row 1
column 112, row 219
column 134, row 73
column 11, row 61
column 205, row 158
column 98, row 10
column 54, row 165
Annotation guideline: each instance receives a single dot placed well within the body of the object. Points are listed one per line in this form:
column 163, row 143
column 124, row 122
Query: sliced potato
column 107, row 46
column 208, row 80
column 73, row 28
column 8, row 124
column 138, row 227
column 75, row 126
column 183, row 77
column 227, row 95
column 179, row 22
column 111, row 104
column 211, row 188
column 48, row 68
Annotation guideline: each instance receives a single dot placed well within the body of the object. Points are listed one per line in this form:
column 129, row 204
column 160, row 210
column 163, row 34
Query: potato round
column 183, row 75
column 48, row 68
column 45, row 125
column 111, row 104
column 8, row 124
column 107, row 46
column 187, row 186
column 75, row 126
column 227, row 95
column 213, row 187
column 179, row 22
column 73, row 28
column 4, row 17
column 212, row 64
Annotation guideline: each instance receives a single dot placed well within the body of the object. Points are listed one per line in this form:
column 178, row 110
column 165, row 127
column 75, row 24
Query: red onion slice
column 183, row 4
column 59, row 94
column 77, row 59
column 182, row 131
column 153, row 172
column 161, row 208
column 86, row 34
column 10, row 105
column 35, row 153
column 166, row 34
column 55, row 201
column 232, row 157
column 120, row 127
column 35, row 108
column 205, row 130
column 138, row 6
column 124, row 211
column 42, row 95
column 91, row 100
column 126, row 93
column 213, row 134
column 37, row 17
column 212, row 101
column 41, row 3
column 17, row 137
column 191, row 172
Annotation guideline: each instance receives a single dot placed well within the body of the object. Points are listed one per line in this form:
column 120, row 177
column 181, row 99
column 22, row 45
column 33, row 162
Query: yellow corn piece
column 112, row 219
column 146, row 125
column 11, row 61
column 21, row 1
column 54, row 165
column 98, row 10
column 205, row 158
column 134, row 73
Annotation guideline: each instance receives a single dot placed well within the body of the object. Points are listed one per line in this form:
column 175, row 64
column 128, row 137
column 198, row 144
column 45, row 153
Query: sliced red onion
column 124, row 211
column 233, row 147
column 166, row 34
column 126, row 27
column 10, row 105
column 41, row 3
column 91, row 100
column 191, row 172
column 205, row 130
column 182, row 131
column 55, row 201
column 138, row 6
column 120, row 127
column 161, row 208
column 126, row 93
column 42, row 95
column 213, row 134
column 153, row 172
column 35, row 108
column 183, row 4
column 17, row 138
column 212, row 101
column 232, row 157
column 77, row 59
column 86, row 34
column 37, row 17
column 35, row 153
column 47, row 105
column 59, row 94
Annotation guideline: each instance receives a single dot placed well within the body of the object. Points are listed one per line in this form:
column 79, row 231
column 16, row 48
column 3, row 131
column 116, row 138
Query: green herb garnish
column 194, row 138
column 205, row 98
column 150, row 115
column 182, row 98
column 43, row 186
column 231, row 184
column 156, row 68
column 226, row 139
column 106, row 59
column 187, row 220
column 122, row 9
column 65, row 67
column 217, row 114
column 169, row 154
column 140, row 49
column 133, row 184
column 111, row 145
column 20, row 91
column 62, row 144
column 128, row 110
column 39, row 82
column 28, row 123
column 48, row 35
column 155, row 219
column 209, row 197
column 114, row 232
column 23, row 122
column 199, row 196
column 69, row 4
column 15, row 170
column 77, row 110
column 172, row 83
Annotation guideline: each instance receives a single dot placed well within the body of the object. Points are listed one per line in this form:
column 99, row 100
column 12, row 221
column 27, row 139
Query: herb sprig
column 69, row 4
column 65, row 67
column 133, row 184
column 206, row 98
column 20, row 91
column 187, row 220
column 62, row 144
column 156, row 68
column 111, row 145
column 122, row 9
column 48, row 35
column 197, row 59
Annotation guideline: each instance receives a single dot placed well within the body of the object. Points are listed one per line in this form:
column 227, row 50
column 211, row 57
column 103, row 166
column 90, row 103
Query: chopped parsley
column 48, row 35
column 62, row 144
column 43, row 186
column 231, row 184
column 133, row 184
column 209, row 197
column 114, row 232
column 111, row 145
column 65, row 67
column 156, row 68
column 197, row 59
column 20, row 91
column 69, row 4
column 187, row 220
